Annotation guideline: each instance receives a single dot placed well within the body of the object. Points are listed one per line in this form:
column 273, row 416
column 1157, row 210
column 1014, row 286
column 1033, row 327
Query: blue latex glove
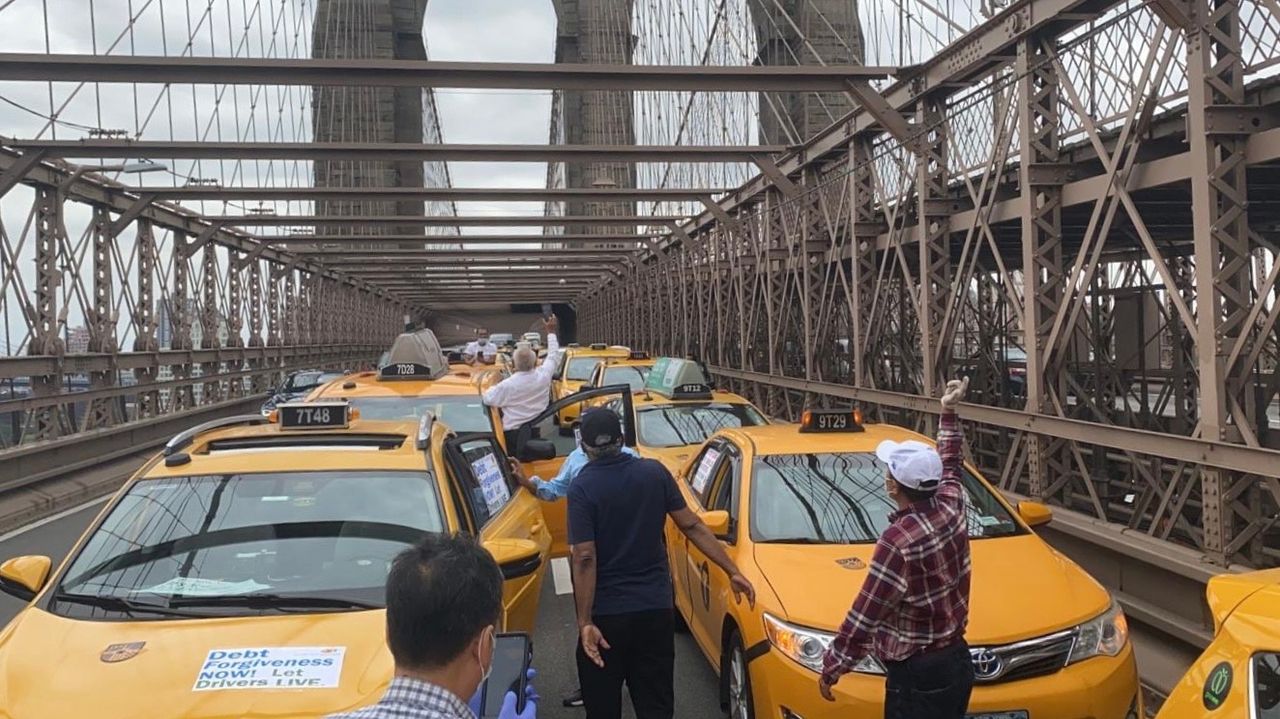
column 530, row 695
column 509, row 708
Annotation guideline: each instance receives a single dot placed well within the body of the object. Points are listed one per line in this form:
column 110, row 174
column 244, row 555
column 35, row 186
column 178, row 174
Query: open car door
column 507, row 522
column 541, row 447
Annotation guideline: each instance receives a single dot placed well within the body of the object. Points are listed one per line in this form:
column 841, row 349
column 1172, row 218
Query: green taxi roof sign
column 414, row 355
column 678, row 379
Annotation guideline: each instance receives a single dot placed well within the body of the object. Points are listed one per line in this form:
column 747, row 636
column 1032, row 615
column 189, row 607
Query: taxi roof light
column 676, row 378
column 599, row 346
column 638, row 355
column 414, row 355
column 831, row 420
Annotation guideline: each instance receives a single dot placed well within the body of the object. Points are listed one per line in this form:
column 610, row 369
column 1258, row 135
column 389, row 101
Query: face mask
column 493, row 645
column 482, row 341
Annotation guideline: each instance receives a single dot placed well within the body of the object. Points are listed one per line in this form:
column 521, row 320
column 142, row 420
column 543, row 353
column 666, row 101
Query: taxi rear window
column 632, row 376
column 685, row 424
column 461, row 414
column 580, row 369
column 203, row 540
column 840, row 498
column 1264, row 691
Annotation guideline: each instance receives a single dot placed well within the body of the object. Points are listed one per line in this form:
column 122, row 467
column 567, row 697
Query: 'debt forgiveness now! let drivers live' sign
column 270, row 668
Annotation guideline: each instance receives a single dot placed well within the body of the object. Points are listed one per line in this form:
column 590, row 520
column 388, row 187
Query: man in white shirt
column 525, row 394
column 481, row 351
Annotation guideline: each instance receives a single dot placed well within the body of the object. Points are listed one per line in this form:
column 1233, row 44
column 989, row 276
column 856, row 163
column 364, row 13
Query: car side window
column 705, row 470
column 725, row 491
column 486, row 483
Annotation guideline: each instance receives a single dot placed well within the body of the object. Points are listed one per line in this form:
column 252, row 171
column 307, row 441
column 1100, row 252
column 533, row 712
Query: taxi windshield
column 685, row 424
column 579, row 369
column 460, row 413
column 628, row 375
column 210, row 540
column 840, row 498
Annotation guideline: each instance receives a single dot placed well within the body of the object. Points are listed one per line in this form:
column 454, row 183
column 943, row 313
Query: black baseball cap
column 600, row 428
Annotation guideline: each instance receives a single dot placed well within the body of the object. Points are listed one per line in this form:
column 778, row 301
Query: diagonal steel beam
column 414, row 73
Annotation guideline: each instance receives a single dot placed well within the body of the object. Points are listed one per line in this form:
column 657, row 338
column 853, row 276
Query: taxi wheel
column 737, row 680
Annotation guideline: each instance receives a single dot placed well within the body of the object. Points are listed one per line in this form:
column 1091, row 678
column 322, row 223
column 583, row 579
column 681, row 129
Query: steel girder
column 1123, row 235
column 410, row 73
column 397, row 151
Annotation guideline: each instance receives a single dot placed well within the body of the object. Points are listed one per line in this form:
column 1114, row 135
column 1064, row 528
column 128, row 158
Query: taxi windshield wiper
column 121, row 604
column 260, row 600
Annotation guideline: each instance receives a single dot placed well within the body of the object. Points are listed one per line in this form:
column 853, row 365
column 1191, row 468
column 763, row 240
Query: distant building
column 166, row 332
column 78, row 340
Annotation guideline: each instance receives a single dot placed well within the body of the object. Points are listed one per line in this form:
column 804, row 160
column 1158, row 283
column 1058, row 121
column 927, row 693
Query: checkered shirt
column 408, row 698
column 916, row 594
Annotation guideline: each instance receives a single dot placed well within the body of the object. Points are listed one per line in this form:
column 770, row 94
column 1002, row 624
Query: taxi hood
column 1020, row 587
column 272, row 666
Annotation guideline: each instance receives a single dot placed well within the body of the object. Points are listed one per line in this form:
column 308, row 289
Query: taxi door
column 713, row 479
column 542, row 448
column 506, row 521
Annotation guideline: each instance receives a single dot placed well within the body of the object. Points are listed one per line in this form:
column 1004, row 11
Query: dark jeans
column 510, row 436
column 929, row 685
column 642, row 655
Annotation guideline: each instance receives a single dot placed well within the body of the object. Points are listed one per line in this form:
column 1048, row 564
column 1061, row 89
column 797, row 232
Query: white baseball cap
column 913, row 464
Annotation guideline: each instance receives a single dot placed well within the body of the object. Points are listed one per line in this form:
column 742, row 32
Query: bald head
column 524, row 359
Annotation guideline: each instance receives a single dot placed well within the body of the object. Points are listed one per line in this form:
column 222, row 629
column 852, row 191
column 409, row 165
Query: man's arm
column 551, row 362
column 703, row 539
column 881, row 592
column 582, row 547
column 496, row 395
column 557, row 486
column 951, row 441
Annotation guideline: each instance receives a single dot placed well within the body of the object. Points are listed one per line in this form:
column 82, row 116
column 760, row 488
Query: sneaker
column 574, row 699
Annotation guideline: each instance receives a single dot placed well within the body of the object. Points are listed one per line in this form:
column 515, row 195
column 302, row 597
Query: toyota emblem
column 986, row 664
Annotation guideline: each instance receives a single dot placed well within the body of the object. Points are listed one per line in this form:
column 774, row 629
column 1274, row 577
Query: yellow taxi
column 576, row 367
column 800, row 511
column 241, row 571
column 415, row 380
column 676, row 410
column 631, row 370
column 1238, row 675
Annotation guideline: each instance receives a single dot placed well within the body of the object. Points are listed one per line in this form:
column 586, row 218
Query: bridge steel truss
column 181, row 314
column 1004, row 197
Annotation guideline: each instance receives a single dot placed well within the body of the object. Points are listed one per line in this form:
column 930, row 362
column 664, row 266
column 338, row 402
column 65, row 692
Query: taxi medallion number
column 831, row 422
column 313, row 416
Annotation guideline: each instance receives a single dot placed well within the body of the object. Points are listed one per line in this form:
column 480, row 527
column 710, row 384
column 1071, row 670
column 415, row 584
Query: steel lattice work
column 1079, row 215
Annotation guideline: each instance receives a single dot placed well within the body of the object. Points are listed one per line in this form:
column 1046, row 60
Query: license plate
column 998, row 715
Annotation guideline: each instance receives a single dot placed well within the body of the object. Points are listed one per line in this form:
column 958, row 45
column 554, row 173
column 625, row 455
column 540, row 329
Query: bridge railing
column 1070, row 205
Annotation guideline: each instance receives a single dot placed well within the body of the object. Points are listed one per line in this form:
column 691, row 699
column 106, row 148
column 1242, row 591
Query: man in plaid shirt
column 914, row 605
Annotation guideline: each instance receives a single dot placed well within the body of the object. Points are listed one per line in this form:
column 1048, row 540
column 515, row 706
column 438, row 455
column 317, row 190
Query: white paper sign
column 197, row 587
column 492, row 483
column 703, row 475
column 270, row 668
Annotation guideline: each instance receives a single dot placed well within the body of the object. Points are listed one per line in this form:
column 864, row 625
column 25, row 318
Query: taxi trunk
column 275, row 666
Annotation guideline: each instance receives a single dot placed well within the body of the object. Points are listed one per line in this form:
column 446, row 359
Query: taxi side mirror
column 718, row 522
column 515, row 557
column 1034, row 513
column 24, row 577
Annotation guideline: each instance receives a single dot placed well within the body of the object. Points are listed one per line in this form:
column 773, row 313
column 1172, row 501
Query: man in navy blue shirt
column 618, row 506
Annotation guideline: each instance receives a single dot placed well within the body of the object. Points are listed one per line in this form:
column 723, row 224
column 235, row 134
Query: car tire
column 737, row 680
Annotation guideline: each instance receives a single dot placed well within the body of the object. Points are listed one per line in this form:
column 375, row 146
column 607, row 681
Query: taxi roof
column 587, row 351
column 628, row 362
column 309, row 453
column 367, row 384
column 642, row 398
column 786, row 438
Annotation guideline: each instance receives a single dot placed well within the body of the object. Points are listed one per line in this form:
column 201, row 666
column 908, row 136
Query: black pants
column 641, row 655
column 930, row 685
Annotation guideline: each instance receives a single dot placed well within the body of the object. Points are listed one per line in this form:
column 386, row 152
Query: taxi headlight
column 806, row 646
column 1103, row 635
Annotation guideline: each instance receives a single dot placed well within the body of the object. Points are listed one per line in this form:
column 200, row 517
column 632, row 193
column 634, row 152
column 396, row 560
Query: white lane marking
column 53, row 518
column 560, row 574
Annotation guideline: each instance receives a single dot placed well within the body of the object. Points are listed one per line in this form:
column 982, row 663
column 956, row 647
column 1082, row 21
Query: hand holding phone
column 512, row 654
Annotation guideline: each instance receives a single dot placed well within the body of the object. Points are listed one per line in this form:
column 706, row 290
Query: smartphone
column 512, row 655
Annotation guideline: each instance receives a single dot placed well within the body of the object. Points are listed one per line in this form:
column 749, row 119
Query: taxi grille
column 1021, row 660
